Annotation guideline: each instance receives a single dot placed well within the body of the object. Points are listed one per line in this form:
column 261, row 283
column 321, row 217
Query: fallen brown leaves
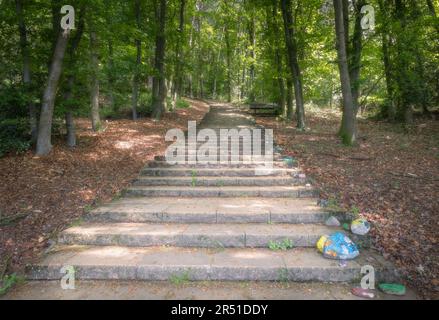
column 47, row 194
column 391, row 176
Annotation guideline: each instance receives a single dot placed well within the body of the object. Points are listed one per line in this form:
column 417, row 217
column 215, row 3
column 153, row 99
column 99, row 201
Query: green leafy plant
column 14, row 136
column 283, row 245
column 180, row 279
column 8, row 282
column 333, row 205
column 194, row 178
column 283, row 275
column 355, row 211
column 182, row 104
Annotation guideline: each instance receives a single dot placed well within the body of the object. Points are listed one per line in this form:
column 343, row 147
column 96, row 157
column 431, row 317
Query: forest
column 89, row 88
column 138, row 58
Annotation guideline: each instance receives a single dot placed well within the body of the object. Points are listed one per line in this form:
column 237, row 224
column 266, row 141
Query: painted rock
column 363, row 293
column 392, row 288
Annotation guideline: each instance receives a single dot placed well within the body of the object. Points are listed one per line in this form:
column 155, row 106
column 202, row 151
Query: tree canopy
column 139, row 58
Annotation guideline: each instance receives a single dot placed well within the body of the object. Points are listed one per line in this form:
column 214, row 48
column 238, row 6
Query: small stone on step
column 332, row 222
column 363, row 293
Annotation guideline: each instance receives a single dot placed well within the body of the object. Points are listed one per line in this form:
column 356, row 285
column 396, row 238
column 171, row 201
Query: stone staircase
column 206, row 222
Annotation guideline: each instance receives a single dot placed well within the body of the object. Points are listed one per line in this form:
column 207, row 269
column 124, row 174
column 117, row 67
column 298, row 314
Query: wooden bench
column 264, row 109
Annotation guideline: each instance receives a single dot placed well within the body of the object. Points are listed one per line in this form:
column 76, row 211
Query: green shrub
column 12, row 103
column 182, row 104
column 14, row 136
column 145, row 103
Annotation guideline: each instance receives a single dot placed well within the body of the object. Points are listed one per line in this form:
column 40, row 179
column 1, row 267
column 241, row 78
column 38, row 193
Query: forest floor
column 391, row 177
column 42, row 196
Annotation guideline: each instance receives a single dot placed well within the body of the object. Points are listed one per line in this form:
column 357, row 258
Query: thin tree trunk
column 71, row 131
column 70, row 124
column 385, row 46
column 56, row 27
column 252, row 41
column 290, row 41
column 290, row 94
column 218, row 59
column 111, row 79
column 432, row 11
column 33, row 122
column 355, row 54
column 273, row 23
column 159, row 85
column 404, row 75
column 68, row 95
column 348, row 128
column 94, row 92
column 179, row 53
column 135, row 97
column 229, row 65
column 44, row 145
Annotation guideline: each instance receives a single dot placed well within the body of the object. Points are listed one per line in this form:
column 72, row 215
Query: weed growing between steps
column 180, row 279
column 8, row 281
column 283, row 245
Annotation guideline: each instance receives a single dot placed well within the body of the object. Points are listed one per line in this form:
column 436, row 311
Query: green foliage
column 12, row 102
column 180, row 279
column 334, row 206
column 355, row 211
column 194, row 178
column 8, row 282
column 182, row 104
column 14, row 136
column 214, row 55
column 283, row 245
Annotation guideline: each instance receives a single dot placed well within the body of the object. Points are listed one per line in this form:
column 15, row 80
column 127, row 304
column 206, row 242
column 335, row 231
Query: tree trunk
column 216, row 63
column 385, row 45
column 252, row 42
column 71, row 132
column 68, row 95
column 229, row 65
column 291, row 43
column 281, row 83
column 33, row 122
column 432, row 11
column 348, row 128
column 289, row 99
column 355, row 54
column 159, row 85
column 273, row 23
column 44, row 145
column 94, row 92
column 135, row 97
column 55, row 6
column 178, row 68
column 111, row 78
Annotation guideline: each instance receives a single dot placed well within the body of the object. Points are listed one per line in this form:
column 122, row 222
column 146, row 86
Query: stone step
column 193, row 235
column 195, row 165
column 164, row 263
column 219, row 181
column 210, row 210
column 223, row 192
column 196, row 290
column 218, row 172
